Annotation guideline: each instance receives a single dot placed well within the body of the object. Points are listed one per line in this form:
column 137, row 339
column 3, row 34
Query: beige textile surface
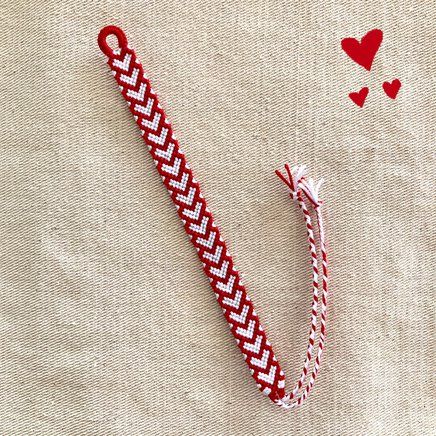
column 108, row 325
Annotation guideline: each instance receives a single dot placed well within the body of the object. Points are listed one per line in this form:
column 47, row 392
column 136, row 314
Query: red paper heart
column 391, row 88
column 359, row 97
column 363, row 52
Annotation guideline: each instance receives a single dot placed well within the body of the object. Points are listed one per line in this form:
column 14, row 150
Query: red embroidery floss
column 205, row 236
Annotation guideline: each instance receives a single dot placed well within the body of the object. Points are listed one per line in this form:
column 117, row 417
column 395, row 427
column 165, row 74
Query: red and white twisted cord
column 199, row 224
column 298, row 186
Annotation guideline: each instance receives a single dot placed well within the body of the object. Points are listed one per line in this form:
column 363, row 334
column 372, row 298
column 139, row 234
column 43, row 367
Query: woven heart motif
column 363, row 52
column 359, row 97
column 391, row 88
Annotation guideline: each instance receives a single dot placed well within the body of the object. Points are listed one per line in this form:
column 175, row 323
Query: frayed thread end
column 296, row 182
column 293, row 180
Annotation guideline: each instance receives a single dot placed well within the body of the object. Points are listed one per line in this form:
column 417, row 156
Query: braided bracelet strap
column 205, row 236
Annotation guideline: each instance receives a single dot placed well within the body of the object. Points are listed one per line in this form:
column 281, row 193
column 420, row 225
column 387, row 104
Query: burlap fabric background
column 108, row 325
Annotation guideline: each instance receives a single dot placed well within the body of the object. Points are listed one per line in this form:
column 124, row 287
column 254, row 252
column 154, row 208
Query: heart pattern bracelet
column 204, row 234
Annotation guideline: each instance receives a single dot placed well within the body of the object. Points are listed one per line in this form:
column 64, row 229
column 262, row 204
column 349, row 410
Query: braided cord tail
column 315, row 293
column 298, row 185
column 324, row 297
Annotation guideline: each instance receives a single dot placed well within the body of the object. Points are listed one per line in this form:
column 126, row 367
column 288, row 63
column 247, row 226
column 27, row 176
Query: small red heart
column 359, row 97
column 391, row 88
column 363, row 52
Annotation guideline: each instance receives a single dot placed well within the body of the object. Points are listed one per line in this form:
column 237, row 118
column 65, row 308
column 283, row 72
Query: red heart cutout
column 363, row 52
column 359, row 97
column 391, row 88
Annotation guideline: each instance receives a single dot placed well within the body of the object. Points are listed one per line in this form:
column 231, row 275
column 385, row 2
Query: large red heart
column 359, row 97
column 363, row 52
column 391, row 88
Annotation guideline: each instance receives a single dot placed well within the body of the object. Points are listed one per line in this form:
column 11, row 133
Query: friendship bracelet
column 199, row 224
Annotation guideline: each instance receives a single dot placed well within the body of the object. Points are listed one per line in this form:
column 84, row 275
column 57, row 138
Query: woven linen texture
column 108, row 323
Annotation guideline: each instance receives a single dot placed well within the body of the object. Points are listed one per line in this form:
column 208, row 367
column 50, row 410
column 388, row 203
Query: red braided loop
column 205, row 235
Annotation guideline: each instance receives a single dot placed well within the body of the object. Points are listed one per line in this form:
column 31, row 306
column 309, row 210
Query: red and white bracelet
column 199, row 224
